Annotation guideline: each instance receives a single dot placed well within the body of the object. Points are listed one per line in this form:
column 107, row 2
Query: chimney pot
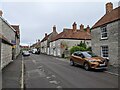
column 74, row 26
column 88, row 29
column 109, row 7
column 45, row 34
column 54, row 28
column 81, row 27
column 1, row 12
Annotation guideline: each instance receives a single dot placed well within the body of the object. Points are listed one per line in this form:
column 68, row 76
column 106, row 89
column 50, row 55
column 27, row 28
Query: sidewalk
column 112, row 70
column 11, row 74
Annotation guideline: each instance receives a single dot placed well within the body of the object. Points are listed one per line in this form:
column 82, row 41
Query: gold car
column 88, row 60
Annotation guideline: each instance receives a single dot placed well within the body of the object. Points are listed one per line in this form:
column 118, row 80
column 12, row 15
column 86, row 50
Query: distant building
column 24, row 47
column 45, row 42
column 62, row 43
column 105, row 34
column 36, row 45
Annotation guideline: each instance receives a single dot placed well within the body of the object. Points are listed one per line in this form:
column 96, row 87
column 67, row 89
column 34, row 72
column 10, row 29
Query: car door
column 80, row 58
column 74, row 57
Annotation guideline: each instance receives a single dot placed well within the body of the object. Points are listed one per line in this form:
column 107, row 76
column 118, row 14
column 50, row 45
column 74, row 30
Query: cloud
column 37, row 18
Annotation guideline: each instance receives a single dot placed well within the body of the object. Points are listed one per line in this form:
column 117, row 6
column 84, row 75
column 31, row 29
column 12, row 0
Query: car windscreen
column 89, row 54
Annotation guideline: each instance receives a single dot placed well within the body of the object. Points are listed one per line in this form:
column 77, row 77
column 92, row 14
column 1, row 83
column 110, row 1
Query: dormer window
column 104, row 32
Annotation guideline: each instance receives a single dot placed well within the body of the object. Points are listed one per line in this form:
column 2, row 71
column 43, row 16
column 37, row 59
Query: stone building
column 105, row 35
column 45, row 42
column 17, row 39
column 61, row 43
column 8, row 42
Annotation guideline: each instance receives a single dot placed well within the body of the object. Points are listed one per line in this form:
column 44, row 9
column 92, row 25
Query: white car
column 26, row 53
column 34, row 51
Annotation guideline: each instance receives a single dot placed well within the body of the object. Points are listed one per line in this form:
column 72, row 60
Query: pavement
column 11, row 74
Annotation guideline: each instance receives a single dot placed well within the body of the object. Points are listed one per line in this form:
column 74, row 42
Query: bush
column 74, row 48
column 80, row 47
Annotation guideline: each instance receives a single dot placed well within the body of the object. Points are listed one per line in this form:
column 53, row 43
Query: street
column 42, row 71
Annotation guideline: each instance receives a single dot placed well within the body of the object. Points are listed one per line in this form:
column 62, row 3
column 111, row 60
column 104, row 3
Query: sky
column 37, row 17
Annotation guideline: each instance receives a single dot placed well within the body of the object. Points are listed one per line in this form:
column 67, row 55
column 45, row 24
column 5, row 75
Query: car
column 25, row 53
column 88, row 60
column 34, row 51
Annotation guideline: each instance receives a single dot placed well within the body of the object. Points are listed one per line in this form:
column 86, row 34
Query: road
column 42, row 71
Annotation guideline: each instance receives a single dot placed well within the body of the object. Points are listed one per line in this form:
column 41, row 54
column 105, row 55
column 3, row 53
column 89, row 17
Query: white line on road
column 111, row 73
column 22, row 75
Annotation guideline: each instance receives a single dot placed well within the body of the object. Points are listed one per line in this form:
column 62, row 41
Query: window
column 104, row 51
column 104, row 32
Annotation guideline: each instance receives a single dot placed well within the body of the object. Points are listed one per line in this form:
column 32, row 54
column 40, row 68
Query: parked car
column 88, row 60
column 34, row 51
column 25, row 53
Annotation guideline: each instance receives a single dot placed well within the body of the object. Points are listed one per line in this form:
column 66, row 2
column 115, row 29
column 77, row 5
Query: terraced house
column 10, row 39
column 45, row 42
column 61, row 43
column 105, row 34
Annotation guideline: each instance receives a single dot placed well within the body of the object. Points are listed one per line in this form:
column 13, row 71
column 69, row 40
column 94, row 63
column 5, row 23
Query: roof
column 45, row 38
column 108, row 18
column 70, row 34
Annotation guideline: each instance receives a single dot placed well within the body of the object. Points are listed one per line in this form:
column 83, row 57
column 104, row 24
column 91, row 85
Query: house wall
column 7, row 31
column 58, row 51
column 44, row 47
column 6, row 54
column 112, row 41
column 6, row 49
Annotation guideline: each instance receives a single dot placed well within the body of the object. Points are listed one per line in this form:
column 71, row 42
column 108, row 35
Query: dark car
column 88, row 60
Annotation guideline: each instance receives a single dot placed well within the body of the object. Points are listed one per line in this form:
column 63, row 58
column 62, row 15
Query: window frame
column 105, row 51
column 103, row 32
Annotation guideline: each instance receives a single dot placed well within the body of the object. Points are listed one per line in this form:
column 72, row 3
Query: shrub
column 74, row 48
column 80, row 47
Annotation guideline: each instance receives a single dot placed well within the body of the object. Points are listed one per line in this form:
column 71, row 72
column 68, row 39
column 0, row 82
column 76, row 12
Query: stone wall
column 112, row 42
column 7, row 31
column 6, row 54
column 6, row 47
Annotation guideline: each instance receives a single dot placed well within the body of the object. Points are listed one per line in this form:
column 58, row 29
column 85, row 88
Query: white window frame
column 103, row 29
column 105, row 51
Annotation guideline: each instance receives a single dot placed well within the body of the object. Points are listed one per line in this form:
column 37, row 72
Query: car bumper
column 26, row 55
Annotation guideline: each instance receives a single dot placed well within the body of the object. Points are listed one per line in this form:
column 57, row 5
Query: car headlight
column 92, row 60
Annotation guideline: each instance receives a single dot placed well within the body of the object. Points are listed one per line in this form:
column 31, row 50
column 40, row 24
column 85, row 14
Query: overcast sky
column 37, row 18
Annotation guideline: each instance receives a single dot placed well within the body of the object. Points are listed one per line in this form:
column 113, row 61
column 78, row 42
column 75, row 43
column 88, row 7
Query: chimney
column 45, row 34
column 81, row 27
column 1, row 13
column 74, row 26
column 109, row 7
column 54, row 28
column 88, row 29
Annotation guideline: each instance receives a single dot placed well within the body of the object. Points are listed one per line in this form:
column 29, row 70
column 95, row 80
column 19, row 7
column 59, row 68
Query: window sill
column 104, row 38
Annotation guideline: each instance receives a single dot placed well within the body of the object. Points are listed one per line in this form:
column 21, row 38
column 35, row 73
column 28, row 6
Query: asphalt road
column 42, row 71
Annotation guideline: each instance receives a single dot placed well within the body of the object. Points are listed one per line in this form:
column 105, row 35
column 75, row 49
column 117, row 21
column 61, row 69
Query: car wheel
column 86, row 66
column 71, row 62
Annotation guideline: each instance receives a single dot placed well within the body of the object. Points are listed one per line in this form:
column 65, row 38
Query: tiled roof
column 45, row 38
column 108, row 17
column 70, row 34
